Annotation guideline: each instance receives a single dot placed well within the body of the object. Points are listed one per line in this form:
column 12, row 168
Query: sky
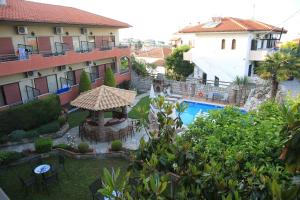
column 159, row 19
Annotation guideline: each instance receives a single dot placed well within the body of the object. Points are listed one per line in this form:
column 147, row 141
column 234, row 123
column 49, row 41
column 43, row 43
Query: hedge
column 7, row 157
column 85, row 82
column 116, row 145
column 43, row 145
column 109, row 78
column 30, row 115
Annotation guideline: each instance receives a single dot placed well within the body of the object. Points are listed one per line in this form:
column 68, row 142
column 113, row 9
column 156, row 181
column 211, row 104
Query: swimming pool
column 189, row 115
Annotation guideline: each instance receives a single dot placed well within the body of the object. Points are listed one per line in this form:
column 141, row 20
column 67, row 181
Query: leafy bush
column 17, row 135
column 43, row 145
column 109, row 78
column 49, row 128
column 83, row 147
column 125, row 85
column 116, row 145
column 61, row 120
column 7, row 157
column 62, row 146
column 85, row 82
column 139, row 67
column 30, row 115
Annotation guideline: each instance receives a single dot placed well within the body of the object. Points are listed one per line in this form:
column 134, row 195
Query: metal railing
column 61, row 48
column 93, row 76
column 32, row 93
column 66, row 83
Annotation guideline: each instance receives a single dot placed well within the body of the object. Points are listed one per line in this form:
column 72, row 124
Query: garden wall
column 142, row 84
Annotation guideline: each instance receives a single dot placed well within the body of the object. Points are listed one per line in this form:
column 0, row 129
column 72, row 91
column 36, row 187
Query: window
column 233, row 44
column 217, row 81
column 70, row 78
column 223, row 44
column 112, row 66
column 2, row 98
column 204, row 78
column 32, row 41
column 254, row 44
column 124, row 64
column 249, row 70
column 94, row 73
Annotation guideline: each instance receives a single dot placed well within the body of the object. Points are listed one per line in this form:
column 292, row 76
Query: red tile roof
column 27, row 11
column 230, row 24
column 155, row 53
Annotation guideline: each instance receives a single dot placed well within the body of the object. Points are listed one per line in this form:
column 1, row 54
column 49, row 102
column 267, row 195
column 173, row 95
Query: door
column 44, row 44
column 32, row 41
column 12, row 93
column 41, row 84
column 6, row 46
column 204, row 78
column 52, row 83
column 69, row 42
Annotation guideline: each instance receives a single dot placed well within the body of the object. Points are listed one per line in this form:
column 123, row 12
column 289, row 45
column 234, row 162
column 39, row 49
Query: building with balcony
column 224, row 48
column 44, row 48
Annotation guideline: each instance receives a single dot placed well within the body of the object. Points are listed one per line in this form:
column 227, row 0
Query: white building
column 228, row 47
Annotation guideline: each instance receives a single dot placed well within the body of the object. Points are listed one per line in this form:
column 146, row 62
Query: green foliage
column 124, row 61
column 290, row 47
column 242, row 83
column 109, row 78
column 76, row 118
column 7, row 157
column 83, row 147
column 85, row 82
column 30, row 115
column 125, row 85
column 116, row 145
column 18, row 135
column 177, row 65
column 43, row 145
column 291, row 132
column 62, row 146
column 48, row 128
column 61, row 120
column 279, row 66
column 141, row 109
column 139, row 67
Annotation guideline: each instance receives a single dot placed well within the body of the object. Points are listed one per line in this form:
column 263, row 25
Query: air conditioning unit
column 83, row 31
column 61, row 68
column 29, row 74
column 58, row 30
column 22, row 30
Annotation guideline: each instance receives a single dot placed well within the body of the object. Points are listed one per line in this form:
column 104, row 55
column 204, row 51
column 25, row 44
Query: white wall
column 225, row 63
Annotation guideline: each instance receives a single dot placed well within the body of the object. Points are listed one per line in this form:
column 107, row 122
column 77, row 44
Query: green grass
column 72, row 187
column 76, row 118
column 141, row 109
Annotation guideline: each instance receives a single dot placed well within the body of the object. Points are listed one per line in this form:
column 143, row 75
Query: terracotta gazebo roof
column 104, row 98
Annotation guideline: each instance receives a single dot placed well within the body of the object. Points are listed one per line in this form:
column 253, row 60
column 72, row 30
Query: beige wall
column 9, row 30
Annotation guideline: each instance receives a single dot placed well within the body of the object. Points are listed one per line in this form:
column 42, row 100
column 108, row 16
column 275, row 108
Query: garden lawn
column 76, row 118
column 141, row 109
column 72, row 187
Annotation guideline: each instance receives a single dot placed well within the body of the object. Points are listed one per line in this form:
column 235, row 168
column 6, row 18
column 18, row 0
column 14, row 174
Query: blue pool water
column 190, row 113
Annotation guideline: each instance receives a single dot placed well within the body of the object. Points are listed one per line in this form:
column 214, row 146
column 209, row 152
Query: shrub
column 139, row 67
column 49, row 128
column 61, row 120
column 85, row 82
column 31, row 134
column 109, row 78
column 43, row 145
column 7, row 157
column 116, row 145
column 125, row 85
column 30, row 115
column 83, row 147
column 17, row 135
column 62, row 146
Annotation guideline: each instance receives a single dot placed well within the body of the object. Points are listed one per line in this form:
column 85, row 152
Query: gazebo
column 103, row 99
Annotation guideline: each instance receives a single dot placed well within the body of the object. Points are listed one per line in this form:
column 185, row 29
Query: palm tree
column 277, row 67
column 242, row 83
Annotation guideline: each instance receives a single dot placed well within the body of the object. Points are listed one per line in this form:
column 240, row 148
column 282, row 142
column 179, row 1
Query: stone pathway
column 130, row 143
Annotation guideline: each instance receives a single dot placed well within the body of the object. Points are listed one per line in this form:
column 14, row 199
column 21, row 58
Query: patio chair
column 173, row 95
column 94, row 187
column 210, row 96
column 225, row 98
column 27, row 183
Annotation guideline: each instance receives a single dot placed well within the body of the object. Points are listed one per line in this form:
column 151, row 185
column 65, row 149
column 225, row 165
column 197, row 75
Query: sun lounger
column 173, row 95
column 210, row 96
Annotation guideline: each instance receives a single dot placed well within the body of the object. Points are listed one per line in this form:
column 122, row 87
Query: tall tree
column 177, row 65
column 85, row 82
column 109, row 78
column 277, row 67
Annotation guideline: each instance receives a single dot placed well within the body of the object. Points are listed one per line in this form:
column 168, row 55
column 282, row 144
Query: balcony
column 40, row 61
column 260, row 54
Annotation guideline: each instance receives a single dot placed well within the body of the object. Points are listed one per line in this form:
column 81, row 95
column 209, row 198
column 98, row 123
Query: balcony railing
column 93, row 76
column 32, row 93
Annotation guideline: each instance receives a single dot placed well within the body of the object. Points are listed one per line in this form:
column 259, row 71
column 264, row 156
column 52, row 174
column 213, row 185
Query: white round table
column 41, row 169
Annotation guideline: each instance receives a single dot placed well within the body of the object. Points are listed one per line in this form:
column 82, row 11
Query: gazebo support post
column 100, row 123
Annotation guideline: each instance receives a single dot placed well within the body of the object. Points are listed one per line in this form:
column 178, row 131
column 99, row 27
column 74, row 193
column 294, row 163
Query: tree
column 85, row 82
column 277, row 67
column 290, row 47
column 177, row 65
column 109, row 78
